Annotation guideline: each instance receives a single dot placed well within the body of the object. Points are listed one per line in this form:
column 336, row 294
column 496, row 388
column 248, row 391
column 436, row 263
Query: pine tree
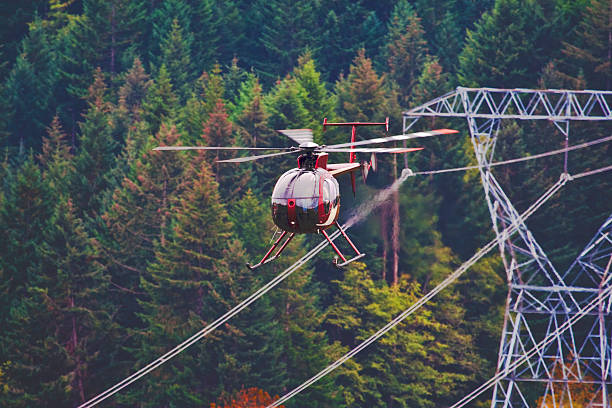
column 110, row 35
column 29, row 89
column 284, row 105
column 219, row 131
column 254, row 131
column 347, row 27
column 134, row 90
column 317, row 100
column 589, row 54
column 247, row 398
column 176, row 57
column 96, row 154
column 207, row 20
column 361, row 93
column 233, row 79
column 285, row 34
column 231, row 25
column 25, row 212
column 161, row 102
column 161, row 18
column 196, row 277
column 406, row 49
column 56, row 159
column 446, row 22
column 16, row 17
column 139, row 218
column 79, row 326
column 415, row 364
column 503, row 51
column 212, row 88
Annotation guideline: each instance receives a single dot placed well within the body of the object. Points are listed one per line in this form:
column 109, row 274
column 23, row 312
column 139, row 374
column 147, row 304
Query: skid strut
column 265, row 259
column 345, row 262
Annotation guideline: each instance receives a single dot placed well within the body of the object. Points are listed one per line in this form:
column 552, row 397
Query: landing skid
column 358, row 255
column 267, row 258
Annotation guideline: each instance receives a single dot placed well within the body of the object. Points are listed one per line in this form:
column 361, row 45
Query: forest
column 112, row 253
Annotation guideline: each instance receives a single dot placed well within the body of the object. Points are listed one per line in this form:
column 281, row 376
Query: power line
column 208, row 329
column 358, row 215
column 536, row 349
column 520, row 159
column 450, row 279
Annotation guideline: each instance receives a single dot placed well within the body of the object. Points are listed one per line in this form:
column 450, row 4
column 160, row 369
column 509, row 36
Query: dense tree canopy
column 112, row 253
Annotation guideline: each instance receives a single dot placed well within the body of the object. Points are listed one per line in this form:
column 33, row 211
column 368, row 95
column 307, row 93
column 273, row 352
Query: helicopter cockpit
column 305, row 201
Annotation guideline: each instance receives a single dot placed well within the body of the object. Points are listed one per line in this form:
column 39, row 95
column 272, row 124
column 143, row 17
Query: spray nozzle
column 406, row 173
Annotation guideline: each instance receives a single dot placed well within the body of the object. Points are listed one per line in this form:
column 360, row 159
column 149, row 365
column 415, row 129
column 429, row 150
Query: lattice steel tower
column 580, row 359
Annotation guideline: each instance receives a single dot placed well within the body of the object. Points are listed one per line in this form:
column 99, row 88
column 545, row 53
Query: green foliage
column 503, row 50
column 588, row 54
column 161, row 103
column 29, row 89
column 97, row 149
column 112, row 253
column 134, row 90
column 414, row 364
column 406, row 48
column 176, row 58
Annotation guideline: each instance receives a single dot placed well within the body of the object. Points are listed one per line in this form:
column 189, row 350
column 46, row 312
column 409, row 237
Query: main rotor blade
column 219, row 148
column 373, row 150
column 251, row 158
column 298, row 135
column 415, row 135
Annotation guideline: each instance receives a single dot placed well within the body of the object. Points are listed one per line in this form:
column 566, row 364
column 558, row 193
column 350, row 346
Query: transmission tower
column 579, row 361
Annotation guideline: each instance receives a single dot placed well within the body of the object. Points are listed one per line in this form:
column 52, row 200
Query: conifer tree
column 107, row 35
column 347, row 27
column 284, row 105
column 140, row 216
column 230, row 18
column 247, row 398
column 317, row 100
column 25, row 214
column 161, row 19
column 233, row 79
column 161, row 102
column 445, row 22
column 406, row 49
column 176, row 57
column 80, row 329
column 361, row 93
column 134, row 90
column 29, row 89
column 96, row 154
column 208, row 16
column 589, row 54
column 415, row 364
column 285, row 34
column 219, row 131
column 56, row 159
column 196, row 277
column 502, row 50
column 254, row 131
column 212, row 88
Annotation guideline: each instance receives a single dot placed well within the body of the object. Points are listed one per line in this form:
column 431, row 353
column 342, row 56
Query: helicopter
column 306, row 199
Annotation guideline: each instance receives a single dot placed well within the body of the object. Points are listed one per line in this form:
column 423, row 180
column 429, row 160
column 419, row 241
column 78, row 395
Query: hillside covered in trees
column 111, row 253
